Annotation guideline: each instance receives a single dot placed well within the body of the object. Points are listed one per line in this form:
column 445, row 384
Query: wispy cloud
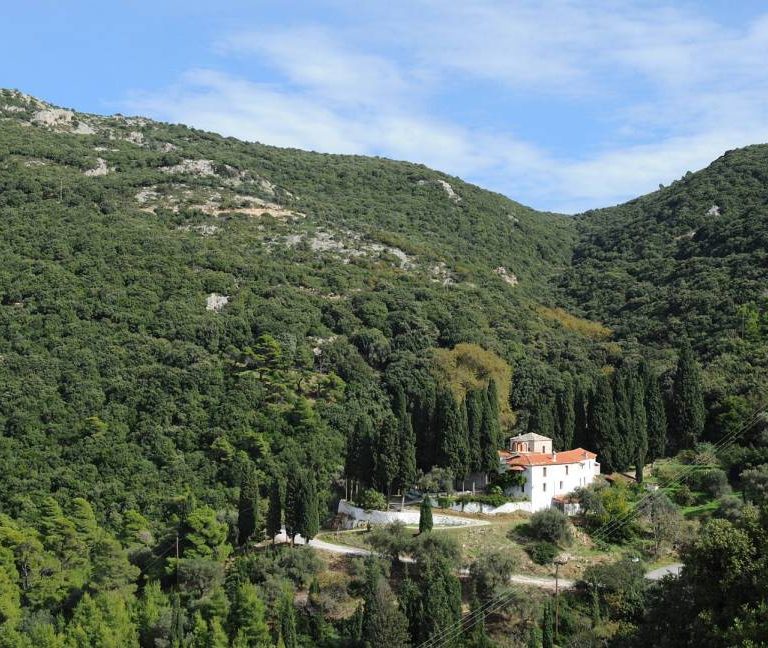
column 681, row 88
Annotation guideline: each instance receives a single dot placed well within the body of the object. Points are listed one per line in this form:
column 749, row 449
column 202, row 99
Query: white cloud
column 701, row 89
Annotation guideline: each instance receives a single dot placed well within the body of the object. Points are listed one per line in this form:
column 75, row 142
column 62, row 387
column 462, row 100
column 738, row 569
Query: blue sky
column 560, row 105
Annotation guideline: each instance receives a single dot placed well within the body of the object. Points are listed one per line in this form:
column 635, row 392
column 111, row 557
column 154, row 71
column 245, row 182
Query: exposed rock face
column 216, row 302
column 100, row 169
column 445, row 186
column 193, row 167
column 53, row 117
column 507, row 276
column 714, row 210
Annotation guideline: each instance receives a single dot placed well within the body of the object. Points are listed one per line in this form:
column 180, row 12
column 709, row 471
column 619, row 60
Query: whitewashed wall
column 409, row 517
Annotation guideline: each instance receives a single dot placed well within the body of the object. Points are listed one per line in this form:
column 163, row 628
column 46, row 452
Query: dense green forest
column 203, row 340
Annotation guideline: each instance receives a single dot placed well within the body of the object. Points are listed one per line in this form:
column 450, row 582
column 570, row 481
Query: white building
column 548, row 475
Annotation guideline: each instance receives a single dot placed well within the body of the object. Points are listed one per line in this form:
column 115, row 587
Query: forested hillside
column 689, row 261
column 203, row 340
column 143, row 263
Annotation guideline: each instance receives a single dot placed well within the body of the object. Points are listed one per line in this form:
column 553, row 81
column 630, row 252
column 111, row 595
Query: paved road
column 661, row 572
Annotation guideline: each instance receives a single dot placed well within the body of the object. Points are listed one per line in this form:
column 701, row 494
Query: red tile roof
column 546, row 459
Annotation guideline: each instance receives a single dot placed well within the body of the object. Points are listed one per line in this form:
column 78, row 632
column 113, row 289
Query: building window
column 544, row 487
column 561, row 485
column 545, row 471
column 566, row 470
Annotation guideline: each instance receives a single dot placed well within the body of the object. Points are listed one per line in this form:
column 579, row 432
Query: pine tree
column 452, row 441
column 656, row 416
column 275, row 513
column 566, row 415
column 387, row 458
column 406, row 475
column 246, row 619
column 688, row 409
column 547, row 627
column 602, row 423
column 425, row 515
column 249, row 514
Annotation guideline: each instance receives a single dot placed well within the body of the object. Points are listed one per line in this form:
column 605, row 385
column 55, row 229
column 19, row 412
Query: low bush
column 542, row 553
column 372, row 500
column 550, row 525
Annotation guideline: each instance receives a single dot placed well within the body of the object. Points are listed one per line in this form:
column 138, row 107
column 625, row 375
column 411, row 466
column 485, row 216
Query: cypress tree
column 425, row 515
column 533, row 637
column 311, row 515
column 249, row 517
column 566, row 415
column 406, row 475
column 301, row 513
column 384, row 624
column 639, row 422
column 490, row 431
column 687, row 401
column 387, row 458
column 452, row 444
column 656, row 416
column 287, row 620
column 624, row 448
column 547, row 627
column 602, row 423
column 409, row 596
column 440, row 599
column 582, row 436
column 275, row 513
column 542, row 419
column 474, row 406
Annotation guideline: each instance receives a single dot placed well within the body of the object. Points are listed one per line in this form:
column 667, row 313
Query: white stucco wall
column 408, row 516
column 559, row 480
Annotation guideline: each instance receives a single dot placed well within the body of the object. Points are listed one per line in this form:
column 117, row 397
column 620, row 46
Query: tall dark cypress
column 387, row 457
column 639, row 421
column 301, row 511
column 275, row 513
column 406, row 474
column 688, row 409
column 566, row 415
column 452, row 440
column 582, row 437
column 249, row 516
column 542, row 419
column 490, row 430
column 474, row 406
column 624, row 449
column 656, row 415
column 602, row 423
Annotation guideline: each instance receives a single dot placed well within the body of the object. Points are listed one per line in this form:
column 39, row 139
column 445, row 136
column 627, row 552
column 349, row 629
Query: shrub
column 542, row 553
column 372, row 500
column 683, row 496
column 713, row 482
column 491, row 573
column 550, row 525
